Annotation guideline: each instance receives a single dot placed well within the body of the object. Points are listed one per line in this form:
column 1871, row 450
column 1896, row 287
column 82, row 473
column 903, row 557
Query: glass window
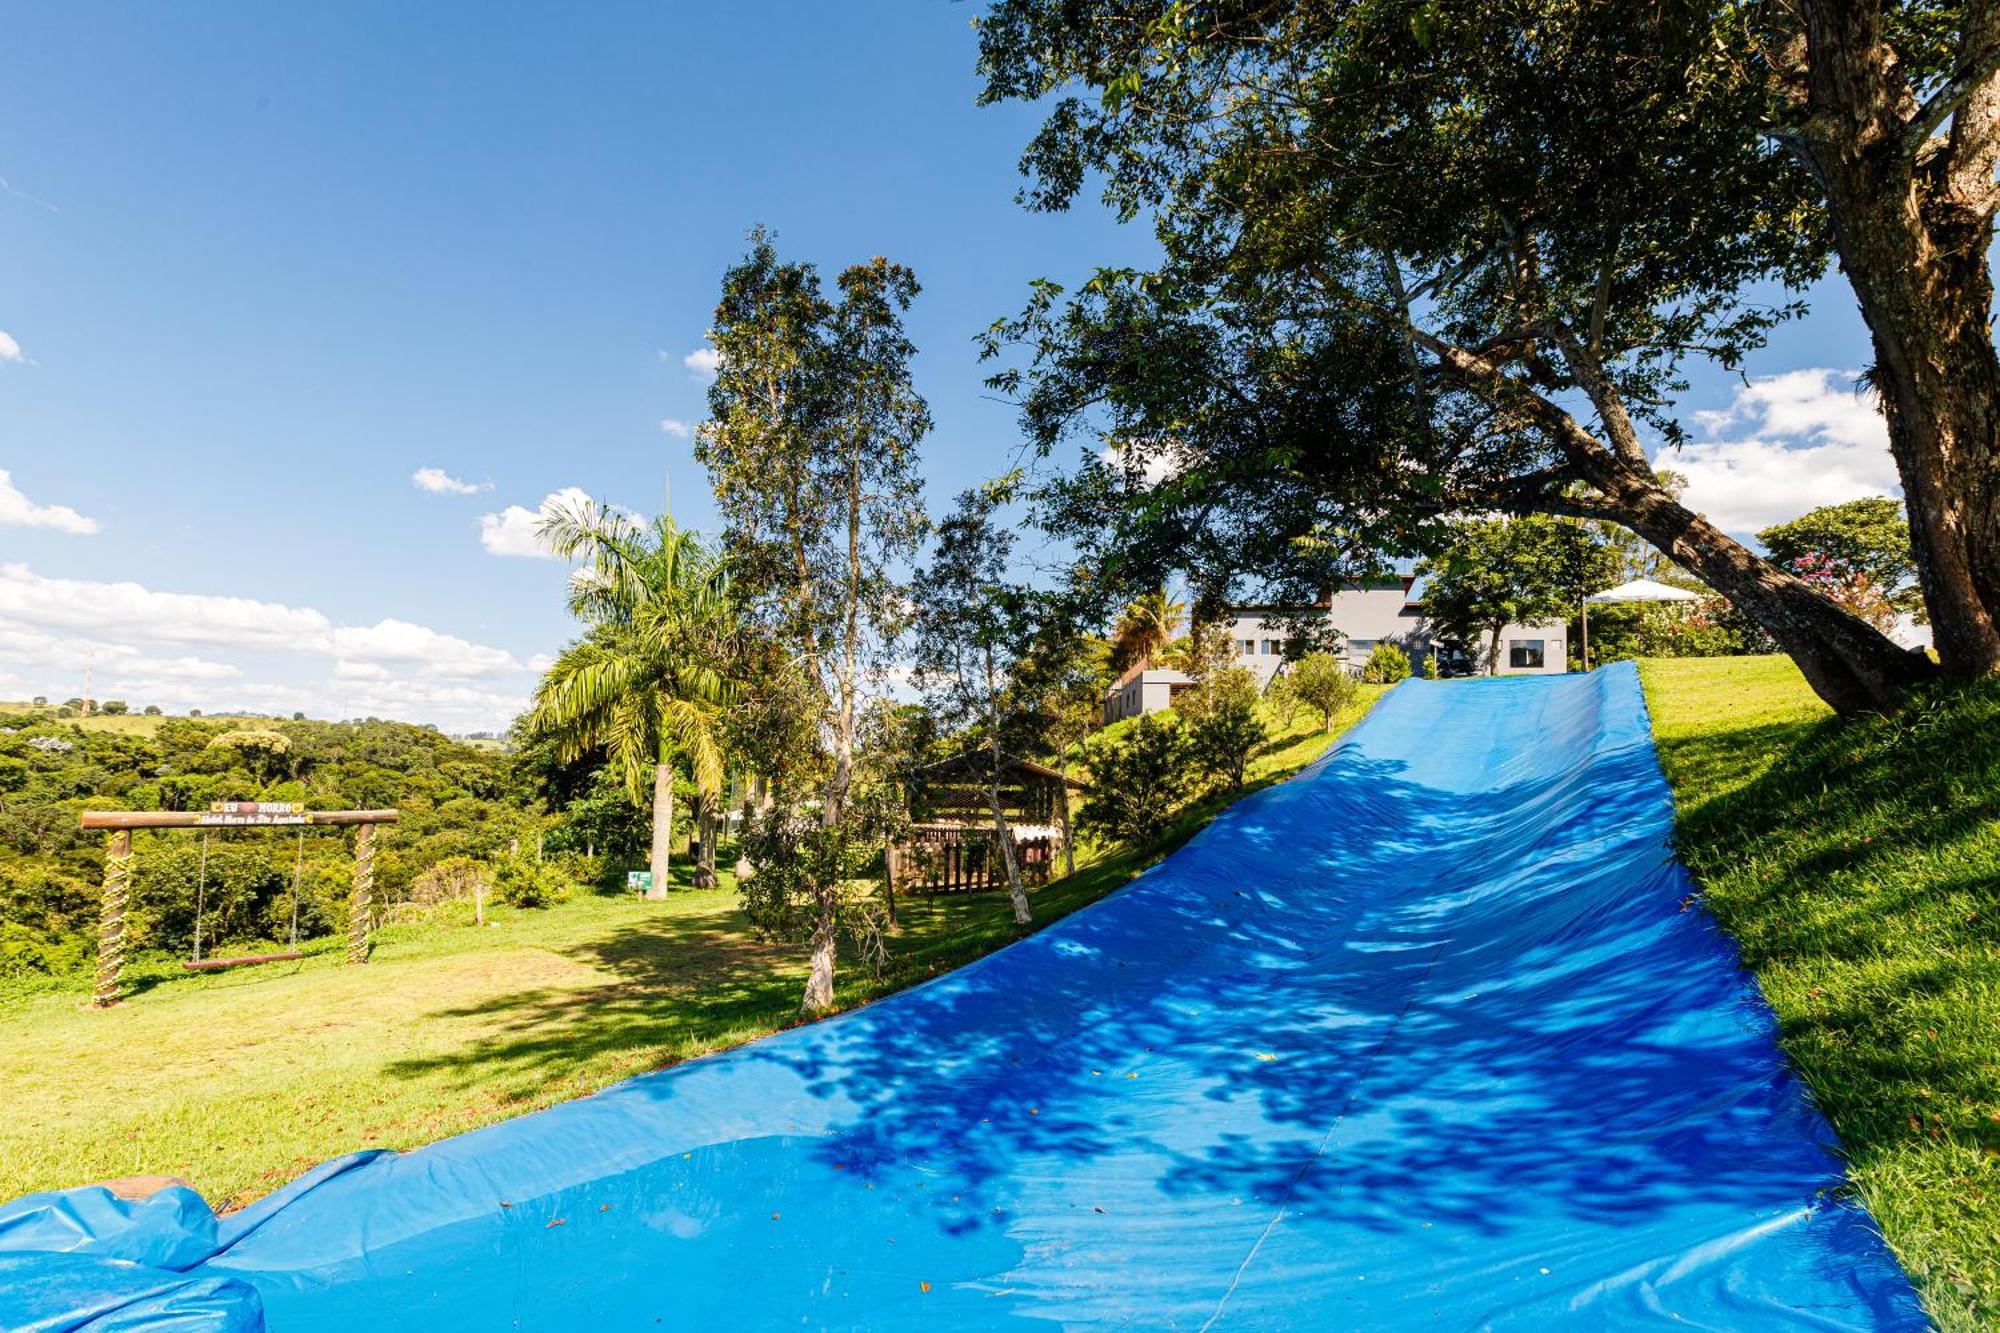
column 1524, row 652
column 1361, row 647
column 1249, row 646
column 1271, row 647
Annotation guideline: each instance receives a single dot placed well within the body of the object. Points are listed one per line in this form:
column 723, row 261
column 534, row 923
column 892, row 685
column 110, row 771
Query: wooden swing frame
column 224, row 814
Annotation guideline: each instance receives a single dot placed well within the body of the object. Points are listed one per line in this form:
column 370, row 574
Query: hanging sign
column 247, row 814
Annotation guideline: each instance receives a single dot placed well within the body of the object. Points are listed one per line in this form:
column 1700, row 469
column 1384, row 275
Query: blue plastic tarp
column 1432, row 1035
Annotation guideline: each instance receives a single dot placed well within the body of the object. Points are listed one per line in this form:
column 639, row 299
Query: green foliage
column 1398, row 253
column 455, row 801
column 1857, row 553
column 1145, row 627
column 522, row 881
column 1224, row 725
column 1496, row 572
column 1140, row 780
column 1386, row 665
column 113, row 707
column 1430, row 666
column 1321, row 682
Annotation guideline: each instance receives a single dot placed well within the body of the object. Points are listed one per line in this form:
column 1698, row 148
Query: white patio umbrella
column 1638, row 590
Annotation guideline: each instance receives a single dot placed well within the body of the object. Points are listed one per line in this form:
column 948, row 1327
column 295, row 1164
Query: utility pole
column 89, row 661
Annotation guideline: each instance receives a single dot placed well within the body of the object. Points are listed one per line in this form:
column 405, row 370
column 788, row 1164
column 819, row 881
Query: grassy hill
column 1858, row 866
column 240, row 1080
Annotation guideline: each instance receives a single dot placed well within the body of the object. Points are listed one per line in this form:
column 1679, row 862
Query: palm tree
column 1146, row 626
column 648, row 680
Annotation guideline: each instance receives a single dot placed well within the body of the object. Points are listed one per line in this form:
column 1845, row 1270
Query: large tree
column 647, row 682
column 1417, row 261
column 1894, row 110
column 812, row 447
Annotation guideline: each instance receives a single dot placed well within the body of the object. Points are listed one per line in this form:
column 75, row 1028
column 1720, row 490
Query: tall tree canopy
column 811, row 445
column 1417, row 261
column 647, row 682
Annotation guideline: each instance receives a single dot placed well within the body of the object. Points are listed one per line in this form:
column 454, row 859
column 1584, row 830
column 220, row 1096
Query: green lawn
column 1858, row 865
column 240, row 1080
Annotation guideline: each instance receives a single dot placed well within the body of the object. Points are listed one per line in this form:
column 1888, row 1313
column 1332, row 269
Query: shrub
column 1320, row 682
column 1139, row 781
column 452, row 879
column 521, row 881
column 1225, row 726
column 1386, row 665
column 1431, row 665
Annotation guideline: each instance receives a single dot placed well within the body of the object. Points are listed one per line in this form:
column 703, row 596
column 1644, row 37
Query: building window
column 1524, row 653
column 1249, row 646
column 1271, row 647
column 1361, row 647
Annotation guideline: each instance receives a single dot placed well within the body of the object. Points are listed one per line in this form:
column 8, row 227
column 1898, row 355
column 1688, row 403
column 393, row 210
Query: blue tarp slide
column 1430, row 1036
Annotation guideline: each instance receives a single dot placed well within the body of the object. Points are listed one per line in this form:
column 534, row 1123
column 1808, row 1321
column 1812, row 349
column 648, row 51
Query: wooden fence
column 957, row 858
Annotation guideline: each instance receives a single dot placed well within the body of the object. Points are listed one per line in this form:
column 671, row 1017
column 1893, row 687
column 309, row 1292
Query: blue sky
column 261, row 264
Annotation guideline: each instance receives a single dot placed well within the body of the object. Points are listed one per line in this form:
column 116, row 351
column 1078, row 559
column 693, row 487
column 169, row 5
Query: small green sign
column 642, row 880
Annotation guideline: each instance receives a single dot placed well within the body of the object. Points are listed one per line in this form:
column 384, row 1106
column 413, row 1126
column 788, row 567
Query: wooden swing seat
column 218, row 964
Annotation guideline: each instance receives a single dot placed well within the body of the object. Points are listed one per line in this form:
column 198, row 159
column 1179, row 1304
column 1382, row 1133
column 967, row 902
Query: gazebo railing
column 965, row 858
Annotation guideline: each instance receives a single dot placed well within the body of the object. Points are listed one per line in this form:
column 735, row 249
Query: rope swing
column 198, row 963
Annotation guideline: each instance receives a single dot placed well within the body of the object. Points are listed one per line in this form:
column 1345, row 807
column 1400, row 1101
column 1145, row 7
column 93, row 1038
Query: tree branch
column 1949, row 97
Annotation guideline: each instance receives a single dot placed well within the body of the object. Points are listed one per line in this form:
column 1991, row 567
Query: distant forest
column 459, row 802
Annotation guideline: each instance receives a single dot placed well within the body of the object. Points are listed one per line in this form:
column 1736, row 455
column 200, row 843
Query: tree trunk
column 1913, row 224
column 704, row 870
column 819, row 979
column 1493, row 651
column 1062, row 813
column 663, row 828
column 1005, row 838
column 1849, row 663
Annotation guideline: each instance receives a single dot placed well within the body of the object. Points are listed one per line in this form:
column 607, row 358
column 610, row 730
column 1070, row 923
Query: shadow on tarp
column 1432, row 1034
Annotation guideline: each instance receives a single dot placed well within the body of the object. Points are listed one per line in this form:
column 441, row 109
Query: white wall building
column 1143, row 689
column 1384, row 612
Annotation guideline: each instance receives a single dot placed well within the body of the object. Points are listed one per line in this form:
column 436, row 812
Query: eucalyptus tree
column 649, row 679
column 812, row 451
column 1417, row 261
column 973, row 628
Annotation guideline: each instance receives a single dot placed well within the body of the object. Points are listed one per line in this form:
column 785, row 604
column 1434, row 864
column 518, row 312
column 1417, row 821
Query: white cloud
column 1143, row 469
column 295, row 658
column 31, row 604
column 703, row 362
column 421, row 647
column 1786, row 443
column 512, row 530
column 680, row 430
column 9, row 349
column 18, row 510
column 439, row 482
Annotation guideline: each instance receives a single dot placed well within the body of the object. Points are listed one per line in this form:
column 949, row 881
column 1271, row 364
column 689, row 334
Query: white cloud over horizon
column 436, row 481
column 17, row 510
column 511, row 532
column 1787, row 443
column 10, row 350
column 677, row 428
column 50, row 627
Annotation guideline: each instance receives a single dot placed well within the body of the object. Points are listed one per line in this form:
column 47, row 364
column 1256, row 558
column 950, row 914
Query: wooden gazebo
column 950, row 847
